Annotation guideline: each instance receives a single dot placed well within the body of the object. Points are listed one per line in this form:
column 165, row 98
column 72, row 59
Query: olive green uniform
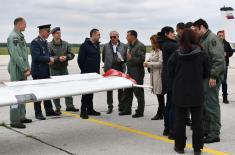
column 17, row 66
column 214, row 48
column 60, row 68
column 135, row 69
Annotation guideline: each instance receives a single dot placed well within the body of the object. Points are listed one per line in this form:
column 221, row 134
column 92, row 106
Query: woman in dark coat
column 188, row 67
column 168, row 46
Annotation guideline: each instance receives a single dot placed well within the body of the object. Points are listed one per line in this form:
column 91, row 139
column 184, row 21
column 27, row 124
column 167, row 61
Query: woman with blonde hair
column 154, row 64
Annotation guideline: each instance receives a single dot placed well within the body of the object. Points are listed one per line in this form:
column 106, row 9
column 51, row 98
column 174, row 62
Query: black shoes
column 40, row 117
column 94, row 113
column 58, row 111
column 122, row 113
column 225, row 100
column 137, row 115
column 26, row 120
column 84, row 115
column 166, row 132
column 21, row 125
column 211, row 140
column 52, row 113
column 157, row 117
column 73, row 109
column 110, row 110
column 180, row 151
column 18, row 125
column 197, row 152
column 171, row 136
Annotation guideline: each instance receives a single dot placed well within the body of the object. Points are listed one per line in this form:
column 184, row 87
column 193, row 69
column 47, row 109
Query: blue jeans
column 169, row 115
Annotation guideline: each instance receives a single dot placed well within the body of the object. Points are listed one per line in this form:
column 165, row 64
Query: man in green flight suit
column 18, row 69
column 214, row 48
column 61, row 51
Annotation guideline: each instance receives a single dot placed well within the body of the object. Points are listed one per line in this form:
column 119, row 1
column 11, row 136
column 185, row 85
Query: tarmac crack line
column 37, row 139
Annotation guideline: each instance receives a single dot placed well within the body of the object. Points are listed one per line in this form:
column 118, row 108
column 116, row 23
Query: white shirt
column 114, row 48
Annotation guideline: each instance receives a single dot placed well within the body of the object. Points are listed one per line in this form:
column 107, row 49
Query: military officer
column 18, row 68
column 214, row 48
column 41, row 60
column 135, row 68
column 61, row 51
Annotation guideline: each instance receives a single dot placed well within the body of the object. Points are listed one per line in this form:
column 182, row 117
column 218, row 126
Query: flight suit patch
column 213, row 43
column 15, row 41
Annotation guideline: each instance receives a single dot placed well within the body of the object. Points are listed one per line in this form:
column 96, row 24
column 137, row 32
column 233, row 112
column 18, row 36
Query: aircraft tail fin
column 229, row 24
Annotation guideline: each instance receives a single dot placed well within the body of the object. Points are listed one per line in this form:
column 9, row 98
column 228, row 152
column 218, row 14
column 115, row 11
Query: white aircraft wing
column 58, row 86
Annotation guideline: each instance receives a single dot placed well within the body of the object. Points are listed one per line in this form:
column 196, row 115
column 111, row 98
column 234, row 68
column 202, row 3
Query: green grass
column 75, row 50
column 4, row 51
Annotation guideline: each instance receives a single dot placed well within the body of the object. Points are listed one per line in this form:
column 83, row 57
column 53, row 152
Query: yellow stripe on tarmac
column 142, row 133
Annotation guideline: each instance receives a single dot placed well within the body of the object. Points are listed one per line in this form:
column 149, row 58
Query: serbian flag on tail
column 230, row 16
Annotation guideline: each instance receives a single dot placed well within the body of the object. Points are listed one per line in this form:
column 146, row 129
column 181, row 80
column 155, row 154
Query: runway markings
column 142, row 133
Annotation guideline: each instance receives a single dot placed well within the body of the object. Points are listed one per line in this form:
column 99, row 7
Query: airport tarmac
column 108, row 134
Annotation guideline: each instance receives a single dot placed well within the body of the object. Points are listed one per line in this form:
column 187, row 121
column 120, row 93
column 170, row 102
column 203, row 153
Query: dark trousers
column 87, row 103
column 180, row 126
column 47, row 103
column 169, row 116
column 110, row 98
column 161, row 103
column 224, row 83
column 127, row 99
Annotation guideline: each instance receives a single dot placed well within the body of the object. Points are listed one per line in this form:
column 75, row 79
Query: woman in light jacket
column 154, row 64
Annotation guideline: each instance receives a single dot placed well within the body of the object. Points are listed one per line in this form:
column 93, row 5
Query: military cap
column 54, row 30
column 44, row 26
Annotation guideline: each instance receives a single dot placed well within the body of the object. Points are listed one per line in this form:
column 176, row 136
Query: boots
column 158, row 116
column 225, row 99
column 160, row 111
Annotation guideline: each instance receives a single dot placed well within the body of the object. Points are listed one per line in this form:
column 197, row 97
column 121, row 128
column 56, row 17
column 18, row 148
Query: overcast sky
column 77, row 17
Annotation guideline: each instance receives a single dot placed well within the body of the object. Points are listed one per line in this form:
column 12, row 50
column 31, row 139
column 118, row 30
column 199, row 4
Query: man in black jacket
column 89, row 62
column 228, row 53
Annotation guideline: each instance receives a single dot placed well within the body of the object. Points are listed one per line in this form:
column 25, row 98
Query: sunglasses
column 113, row 37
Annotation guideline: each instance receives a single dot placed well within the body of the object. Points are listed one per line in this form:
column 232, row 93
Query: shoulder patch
column 213, row 42
column 15, row 41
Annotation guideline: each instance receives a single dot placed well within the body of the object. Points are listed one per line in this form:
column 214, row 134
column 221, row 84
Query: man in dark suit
column 40, row 67
column 89, row 62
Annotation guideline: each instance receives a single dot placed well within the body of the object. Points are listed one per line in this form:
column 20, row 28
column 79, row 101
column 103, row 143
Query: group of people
column 48, row 59
column 188, row 68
